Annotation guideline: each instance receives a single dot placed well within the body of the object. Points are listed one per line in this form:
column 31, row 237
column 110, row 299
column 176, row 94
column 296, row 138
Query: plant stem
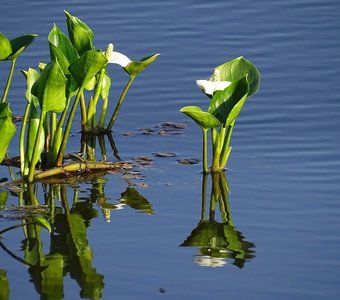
column 62, row 148
column 101, row 122
column 226, row 148
column 83, row 111
column 205, row 151
column 122, row 96
column 23, row 161
column 9, row 80
column 215, row 167
column 36, row 154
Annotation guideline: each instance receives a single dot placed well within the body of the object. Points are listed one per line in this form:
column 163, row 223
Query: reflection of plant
column 218, row 241
column 4, row 285
column 69, row 249
column 229, row 87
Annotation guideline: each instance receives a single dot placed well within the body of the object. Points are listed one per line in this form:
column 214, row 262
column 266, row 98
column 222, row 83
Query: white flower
column 115, row 57
column 208, row 261
column 209, row 87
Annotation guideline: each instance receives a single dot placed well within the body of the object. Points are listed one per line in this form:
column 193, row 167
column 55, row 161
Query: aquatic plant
column 54, row 92
column 10, row 51
column 228, row 88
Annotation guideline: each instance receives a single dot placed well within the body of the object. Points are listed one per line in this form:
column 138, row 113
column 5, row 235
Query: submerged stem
column 115, row 112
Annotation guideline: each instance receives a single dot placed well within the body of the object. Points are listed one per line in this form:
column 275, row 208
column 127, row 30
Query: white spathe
column 209, row 87
column 115, row 57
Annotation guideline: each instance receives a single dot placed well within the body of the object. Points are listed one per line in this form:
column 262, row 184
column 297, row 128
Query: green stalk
column 53, row 125
column 122, row 96
column 62, row 148
column 205, row 151
column 226, row 148
column 9, row 81
column 101, row 122
column 219, row 142
column 83, row 111
column 204, row 188
column 23, row 161
column 36, row 154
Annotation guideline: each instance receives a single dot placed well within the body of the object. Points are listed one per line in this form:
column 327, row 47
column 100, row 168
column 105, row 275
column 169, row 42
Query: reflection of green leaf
column 7, row 129
column 43, row 222
column 135, row 200
column 3, row 199
column 4, row 285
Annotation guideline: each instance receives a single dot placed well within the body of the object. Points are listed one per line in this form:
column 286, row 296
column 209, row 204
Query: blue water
column 283, row 171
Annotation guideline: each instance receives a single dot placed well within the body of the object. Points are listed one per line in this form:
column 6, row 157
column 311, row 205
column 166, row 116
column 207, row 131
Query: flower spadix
column 115, row 57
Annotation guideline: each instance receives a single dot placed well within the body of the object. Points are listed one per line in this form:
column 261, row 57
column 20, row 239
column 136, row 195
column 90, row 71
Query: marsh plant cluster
column 77, row 69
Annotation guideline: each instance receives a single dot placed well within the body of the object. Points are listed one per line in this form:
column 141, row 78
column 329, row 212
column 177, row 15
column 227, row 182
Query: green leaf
column 59, row 40
column 204, row 119
column 87, row 66
column 7, row 129
column 50, row 88
column 227, row 104
column 135, row 67
column 81, row 36
column 19, row 44
column 5, row 47
column 106, row 84
column 31, row 76
column 236, row 69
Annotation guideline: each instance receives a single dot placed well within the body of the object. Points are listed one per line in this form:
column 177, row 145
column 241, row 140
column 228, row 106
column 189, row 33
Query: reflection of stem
column 10, row 253
column 113, row 146
column 9, row 80
column 120, row 101
column 204, row 188
column 101, row 141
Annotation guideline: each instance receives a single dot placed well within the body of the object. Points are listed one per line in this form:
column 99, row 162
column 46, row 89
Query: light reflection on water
column 283, row 172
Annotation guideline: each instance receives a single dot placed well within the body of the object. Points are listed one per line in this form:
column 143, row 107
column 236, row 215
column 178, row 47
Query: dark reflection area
column 53, row 234
column 218, row 241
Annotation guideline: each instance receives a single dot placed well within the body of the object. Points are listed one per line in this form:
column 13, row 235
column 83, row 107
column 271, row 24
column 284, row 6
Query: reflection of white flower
column 208, row 261
column 209, row 87
column 115, row 57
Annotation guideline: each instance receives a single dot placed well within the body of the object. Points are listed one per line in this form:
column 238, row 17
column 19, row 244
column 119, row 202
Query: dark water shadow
column 218, row 241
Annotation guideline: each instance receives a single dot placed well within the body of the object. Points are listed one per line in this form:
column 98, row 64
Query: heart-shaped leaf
column 31, row 76
column 5, row 47
column 7, row 129
column 236, row 69
column 227, row 104
column 19, row 44
column 204, row 119
column 87, row 66
column 50, row 88
column 135, row 67
column 81, row 36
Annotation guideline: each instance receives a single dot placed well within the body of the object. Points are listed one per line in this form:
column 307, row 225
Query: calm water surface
column 278, row 229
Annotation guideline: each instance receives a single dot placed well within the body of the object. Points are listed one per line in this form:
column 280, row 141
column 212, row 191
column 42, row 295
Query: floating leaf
column 236, row 69
column 135, row 67
column 227, row 104
column 5, row 47
column 164, row 154
column 81, row 36
column 204, row 119
column 19, row 44
column 7, row 129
